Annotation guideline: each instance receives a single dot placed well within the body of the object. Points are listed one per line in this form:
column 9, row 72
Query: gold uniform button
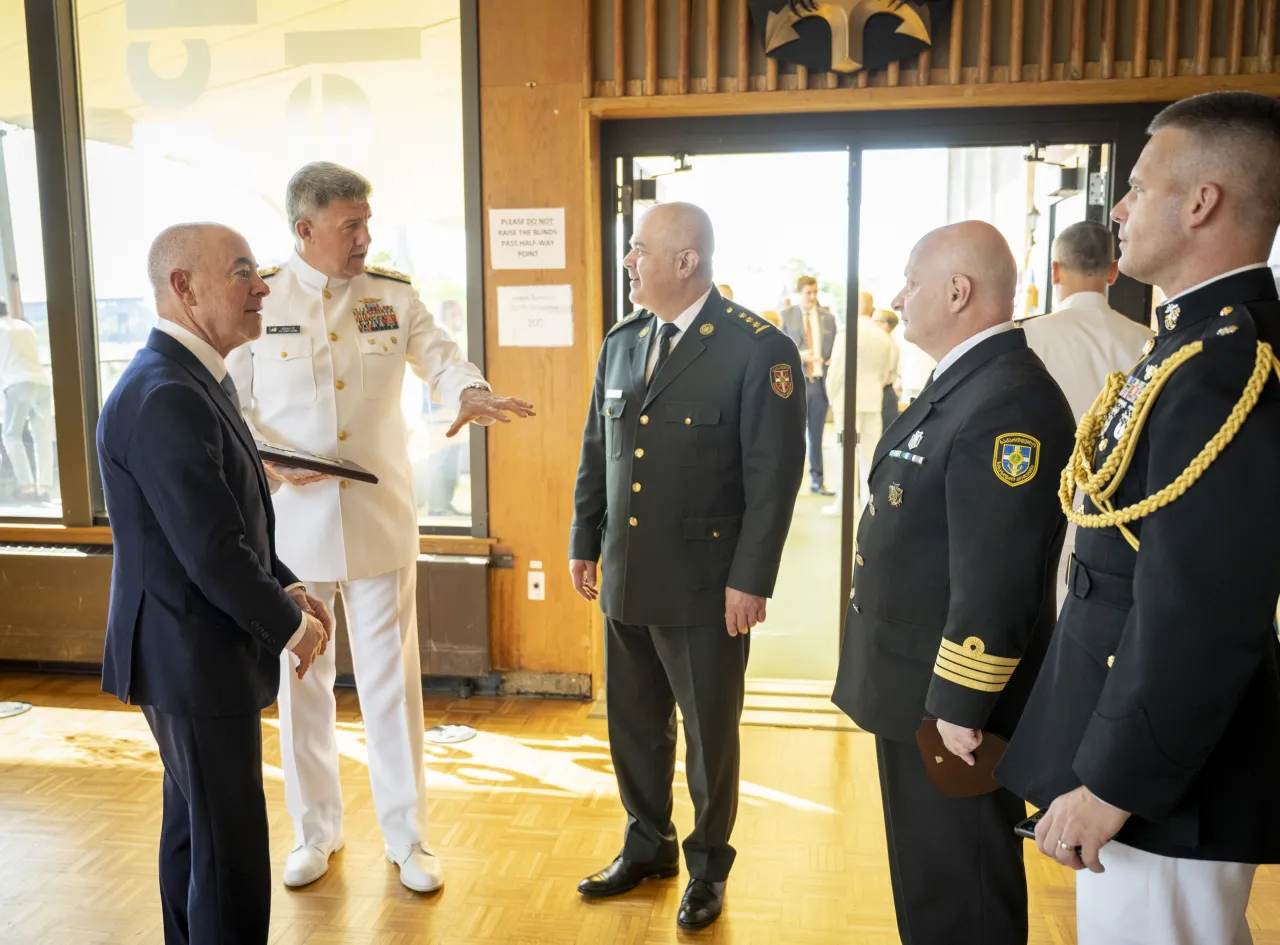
column 371, row 341
column 385, row 348
column 634, row 521
column 639, row 454
column 635, row 487
column 327, row 294
column 688, row 421
column 1226, row 311
column 333, row 336
column 343, row 483
column 608, row 412
column 859, row 560
column 1111, row 661
column 284, row 354
column 339, row 385
column 342, row 435
column 644, row 420
column 715, row 534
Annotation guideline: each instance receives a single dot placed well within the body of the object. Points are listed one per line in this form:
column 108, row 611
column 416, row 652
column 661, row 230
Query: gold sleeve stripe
column 967, row 683
column 974, row 674
column 976, row 664
column 981, row 657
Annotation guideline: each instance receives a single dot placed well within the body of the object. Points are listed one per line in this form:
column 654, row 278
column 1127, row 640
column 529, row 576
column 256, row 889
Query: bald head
column 961, row 280
column 185, row 246
column 206, row 280
column 670, row 259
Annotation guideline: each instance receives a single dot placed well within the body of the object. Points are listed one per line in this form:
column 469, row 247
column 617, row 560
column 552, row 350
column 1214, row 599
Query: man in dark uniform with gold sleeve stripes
column 692, row 458
column 1151, row 733
column 953, row 601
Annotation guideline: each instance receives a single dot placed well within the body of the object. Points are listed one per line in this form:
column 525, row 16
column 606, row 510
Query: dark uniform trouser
column 648, row 671
column 955, row 863
column 215, row 844
column 817, row 405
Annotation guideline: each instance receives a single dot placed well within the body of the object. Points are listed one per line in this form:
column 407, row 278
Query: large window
column 202, row 111
column 28, row 467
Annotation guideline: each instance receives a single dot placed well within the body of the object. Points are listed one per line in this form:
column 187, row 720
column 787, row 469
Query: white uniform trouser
column 870, row 426
column 382, row 628
column 1144, row 899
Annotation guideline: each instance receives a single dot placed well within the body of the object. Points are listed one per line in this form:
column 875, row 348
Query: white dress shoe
column 419, row 868
column 307, row 864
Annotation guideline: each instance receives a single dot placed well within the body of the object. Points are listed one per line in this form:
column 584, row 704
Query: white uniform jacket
column 326, row 377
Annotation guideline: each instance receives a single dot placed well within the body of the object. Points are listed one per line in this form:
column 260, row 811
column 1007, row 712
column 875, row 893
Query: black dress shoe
column 622, row 875
column 820, row 490
column 701, row 904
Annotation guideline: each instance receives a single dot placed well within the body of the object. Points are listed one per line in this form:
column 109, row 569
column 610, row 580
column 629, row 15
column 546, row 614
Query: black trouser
column 888, row 407
column 648, row 672
column 955, row 863
column 215, row 852
column 816, row 399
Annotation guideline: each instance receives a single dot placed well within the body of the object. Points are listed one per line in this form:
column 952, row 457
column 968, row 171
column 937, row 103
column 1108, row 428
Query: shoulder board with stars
column 749, row 322
column 268, row 272
column 635, row 317
column 388, row 274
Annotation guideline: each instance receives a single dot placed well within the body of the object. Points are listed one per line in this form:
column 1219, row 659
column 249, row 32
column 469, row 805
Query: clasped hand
column 318, row 631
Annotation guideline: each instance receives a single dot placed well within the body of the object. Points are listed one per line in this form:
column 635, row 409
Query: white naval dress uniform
column 326, row 377
column 1082, row 341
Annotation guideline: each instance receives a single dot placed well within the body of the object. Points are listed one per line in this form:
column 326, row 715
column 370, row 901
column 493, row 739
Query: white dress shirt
column 964, row 347
column 682, row 323
column 217, row 366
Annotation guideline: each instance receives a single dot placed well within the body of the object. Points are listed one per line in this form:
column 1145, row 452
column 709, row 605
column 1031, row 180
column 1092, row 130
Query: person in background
column 1150, row 735
column 887, row 320
column 28, row 405
column 326, row 377
column 771, row 317
column 876, row 366
column 1083, row 339
column 813, row 329
column 952, row 605
column 692, row 455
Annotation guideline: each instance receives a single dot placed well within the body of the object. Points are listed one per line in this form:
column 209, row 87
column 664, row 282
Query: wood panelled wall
column 681, row 47
column 533, row 156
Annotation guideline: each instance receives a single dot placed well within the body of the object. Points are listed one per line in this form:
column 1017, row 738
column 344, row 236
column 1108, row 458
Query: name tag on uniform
column 613, row 393
column 909, row 457
column 284, row 329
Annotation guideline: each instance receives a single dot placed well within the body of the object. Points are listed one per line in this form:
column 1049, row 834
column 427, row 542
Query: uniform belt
column 1097, row 585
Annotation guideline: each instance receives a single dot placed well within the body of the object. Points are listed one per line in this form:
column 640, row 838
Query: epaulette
column 268, row 272
column 636, row 316
column 388, row 274
column 749, row 322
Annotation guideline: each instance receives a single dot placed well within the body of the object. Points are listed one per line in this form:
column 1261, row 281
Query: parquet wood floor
column 518, row 815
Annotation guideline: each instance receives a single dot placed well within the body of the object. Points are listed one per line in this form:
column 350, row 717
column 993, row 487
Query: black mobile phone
column 1027, row 828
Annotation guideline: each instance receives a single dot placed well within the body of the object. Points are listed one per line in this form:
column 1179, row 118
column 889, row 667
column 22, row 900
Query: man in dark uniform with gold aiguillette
column 692, row 459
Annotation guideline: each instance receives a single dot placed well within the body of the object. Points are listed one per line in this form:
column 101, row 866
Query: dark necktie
column 228, row 385
column 665, row 334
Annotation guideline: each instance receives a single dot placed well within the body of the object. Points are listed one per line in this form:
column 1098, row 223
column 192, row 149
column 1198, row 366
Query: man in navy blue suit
column 201, row 607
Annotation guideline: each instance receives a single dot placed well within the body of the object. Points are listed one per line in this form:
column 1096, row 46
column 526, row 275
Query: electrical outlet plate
column 537, row 585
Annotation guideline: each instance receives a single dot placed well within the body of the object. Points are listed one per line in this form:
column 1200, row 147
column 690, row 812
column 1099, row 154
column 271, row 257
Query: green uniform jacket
column 687, row 488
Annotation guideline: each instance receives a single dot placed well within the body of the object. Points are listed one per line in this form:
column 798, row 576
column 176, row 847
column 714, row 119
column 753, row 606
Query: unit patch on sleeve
column 780, row 380
column 1017, row 458
column 372, row 315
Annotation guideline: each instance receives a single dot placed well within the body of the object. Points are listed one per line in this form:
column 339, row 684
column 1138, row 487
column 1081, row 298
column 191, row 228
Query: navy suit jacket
column 199, row 614
column 793, row 326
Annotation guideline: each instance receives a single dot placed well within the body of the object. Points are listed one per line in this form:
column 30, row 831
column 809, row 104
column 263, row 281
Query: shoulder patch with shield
column 1017, row 458
column 780, row 380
